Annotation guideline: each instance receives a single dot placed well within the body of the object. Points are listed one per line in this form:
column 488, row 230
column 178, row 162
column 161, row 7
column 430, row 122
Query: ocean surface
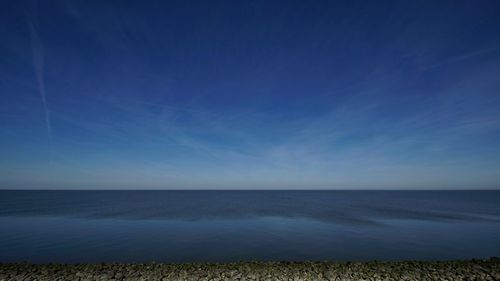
column 220, row 226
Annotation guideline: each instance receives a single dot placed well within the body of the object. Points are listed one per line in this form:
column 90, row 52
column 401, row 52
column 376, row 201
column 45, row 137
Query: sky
column 250, row 94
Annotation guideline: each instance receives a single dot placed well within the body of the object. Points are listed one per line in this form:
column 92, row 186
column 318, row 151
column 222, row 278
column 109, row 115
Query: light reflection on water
column 183, row 226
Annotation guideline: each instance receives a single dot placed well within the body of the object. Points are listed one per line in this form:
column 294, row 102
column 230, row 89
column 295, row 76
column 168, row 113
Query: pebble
column 296, row 271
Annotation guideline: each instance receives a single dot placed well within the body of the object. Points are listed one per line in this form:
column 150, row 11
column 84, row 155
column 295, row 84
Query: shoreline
column 476, row 269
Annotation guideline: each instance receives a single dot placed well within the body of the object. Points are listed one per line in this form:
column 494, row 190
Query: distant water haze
column 186, row 226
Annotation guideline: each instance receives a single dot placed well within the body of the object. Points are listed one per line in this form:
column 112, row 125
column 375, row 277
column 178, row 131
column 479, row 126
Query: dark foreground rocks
column 405, row 270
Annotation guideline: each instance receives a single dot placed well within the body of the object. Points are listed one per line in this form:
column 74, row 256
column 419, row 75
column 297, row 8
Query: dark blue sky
column 250, row 94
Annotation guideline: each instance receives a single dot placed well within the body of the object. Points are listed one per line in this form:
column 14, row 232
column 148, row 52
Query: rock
column 296, row 271
column 495, row 259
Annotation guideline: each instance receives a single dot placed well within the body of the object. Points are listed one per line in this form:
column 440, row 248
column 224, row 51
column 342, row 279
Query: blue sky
column 250, row 94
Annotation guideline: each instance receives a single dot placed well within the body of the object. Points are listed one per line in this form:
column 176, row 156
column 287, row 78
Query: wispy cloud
column 464, row 57
column 39, row 65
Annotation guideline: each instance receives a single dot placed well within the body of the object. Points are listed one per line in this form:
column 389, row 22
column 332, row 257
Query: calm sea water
column 185, row 226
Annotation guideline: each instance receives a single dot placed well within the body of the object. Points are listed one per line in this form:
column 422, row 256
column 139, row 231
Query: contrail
column 38, row 63
column 464, row 57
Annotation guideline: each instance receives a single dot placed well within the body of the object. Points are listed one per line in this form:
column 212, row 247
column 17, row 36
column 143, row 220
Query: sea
column 50, row 226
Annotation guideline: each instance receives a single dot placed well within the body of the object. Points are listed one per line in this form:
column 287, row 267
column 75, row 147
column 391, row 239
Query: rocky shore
column 404, row 270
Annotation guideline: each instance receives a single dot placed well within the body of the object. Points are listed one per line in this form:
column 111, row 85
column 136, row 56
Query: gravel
column 290, row 271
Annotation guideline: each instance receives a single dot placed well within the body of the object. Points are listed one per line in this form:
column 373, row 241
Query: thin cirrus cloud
column 242, row 96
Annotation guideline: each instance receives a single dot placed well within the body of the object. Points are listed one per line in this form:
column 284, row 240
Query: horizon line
column 252, row 189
